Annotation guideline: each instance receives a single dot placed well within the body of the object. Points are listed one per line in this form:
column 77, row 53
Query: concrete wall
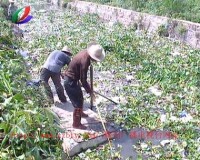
column 184, row 31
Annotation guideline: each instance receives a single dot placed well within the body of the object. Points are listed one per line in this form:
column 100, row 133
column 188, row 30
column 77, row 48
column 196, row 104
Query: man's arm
column 83, row 78
column 66, row 62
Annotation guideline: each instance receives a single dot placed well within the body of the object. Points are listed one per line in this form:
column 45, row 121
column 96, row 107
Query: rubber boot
column 77, row 119
column 84, row 115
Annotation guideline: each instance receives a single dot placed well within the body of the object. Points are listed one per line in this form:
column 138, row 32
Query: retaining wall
column 184, row 31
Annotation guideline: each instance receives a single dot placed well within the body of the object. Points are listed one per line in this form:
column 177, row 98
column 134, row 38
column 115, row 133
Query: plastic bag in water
column 33, row 83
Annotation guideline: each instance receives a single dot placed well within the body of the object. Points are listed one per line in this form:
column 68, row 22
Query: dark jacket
column 78, row 68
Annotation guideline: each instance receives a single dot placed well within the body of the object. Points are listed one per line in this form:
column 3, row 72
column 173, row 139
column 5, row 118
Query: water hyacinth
column 141, row 73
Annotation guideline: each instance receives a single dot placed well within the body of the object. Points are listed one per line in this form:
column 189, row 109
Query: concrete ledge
column 72, row 148
column 184, row 31
column 76, row 140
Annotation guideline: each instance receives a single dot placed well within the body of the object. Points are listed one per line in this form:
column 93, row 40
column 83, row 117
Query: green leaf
column 5, row 140
column 36, row 154
column 18, row 97
column 51, row 115
column 3, row 125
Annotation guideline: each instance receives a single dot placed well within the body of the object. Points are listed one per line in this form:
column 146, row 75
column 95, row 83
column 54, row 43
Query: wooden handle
column 105, row 97
column 91, row 84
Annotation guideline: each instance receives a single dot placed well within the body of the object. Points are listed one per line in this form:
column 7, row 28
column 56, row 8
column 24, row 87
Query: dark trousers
column 44, row 77
column 74, row 92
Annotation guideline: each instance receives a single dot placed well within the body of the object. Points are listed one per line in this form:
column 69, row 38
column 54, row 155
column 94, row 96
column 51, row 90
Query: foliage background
column 180, row 9
column 149, row 58
column 23, row 117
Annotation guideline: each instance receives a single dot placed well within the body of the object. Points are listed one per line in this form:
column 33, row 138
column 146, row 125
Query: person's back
column 56, row 60
column 79, row 62
column 52, row 69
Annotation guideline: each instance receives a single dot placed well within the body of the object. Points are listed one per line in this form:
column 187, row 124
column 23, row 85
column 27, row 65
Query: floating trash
column 166, row 142
column 176, row 53
column 129, row 78
column 24, row 54
column 183, row 114
column 155, row 90
column 33, row 83
column 163, row 118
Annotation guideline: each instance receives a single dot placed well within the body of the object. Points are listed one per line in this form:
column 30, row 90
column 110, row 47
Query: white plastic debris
column 59, row 44
column 129, row 78
column 176, row 53
column 122, row 100
column 173, row 118
column 41, row 11
column 157, row 156
column 143, row 145
column 24, row 54
column 88, row 151
column 163, row 118
column 184, row 143
column 186, row 119
column 111, row 23
column 81, row 155
column 135, row 84
column 165, row 142
column 183, row 114
column 138, row 33
column 155, row 90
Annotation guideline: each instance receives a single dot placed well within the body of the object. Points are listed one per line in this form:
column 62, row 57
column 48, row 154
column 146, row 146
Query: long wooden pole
column 91, row 84
column 105, row 97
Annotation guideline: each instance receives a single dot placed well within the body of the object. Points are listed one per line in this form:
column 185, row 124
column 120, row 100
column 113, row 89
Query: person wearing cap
column 77, row 71
column 52, row 69
column 12, row 8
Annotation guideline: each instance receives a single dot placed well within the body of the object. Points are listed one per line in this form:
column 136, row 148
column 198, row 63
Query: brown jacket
column 78, row 68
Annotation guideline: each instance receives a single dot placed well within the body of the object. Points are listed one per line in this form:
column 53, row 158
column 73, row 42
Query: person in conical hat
column 77, row 71
column 52, row 69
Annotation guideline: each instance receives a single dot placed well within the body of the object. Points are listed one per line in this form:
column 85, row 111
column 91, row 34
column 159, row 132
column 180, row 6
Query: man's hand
column 62, row 75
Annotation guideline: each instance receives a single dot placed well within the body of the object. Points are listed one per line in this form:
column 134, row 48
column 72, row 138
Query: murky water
column 127, row 150
column 128, row 139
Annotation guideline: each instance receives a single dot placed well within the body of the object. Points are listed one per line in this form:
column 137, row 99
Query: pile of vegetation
column 179, row 9
column 24, row 113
